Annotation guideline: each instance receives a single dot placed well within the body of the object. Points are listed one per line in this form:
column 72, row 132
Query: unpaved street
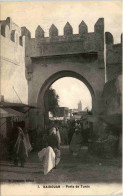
column 83, row 169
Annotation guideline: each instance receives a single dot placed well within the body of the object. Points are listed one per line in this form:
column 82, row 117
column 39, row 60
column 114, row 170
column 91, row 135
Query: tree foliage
column 52, row 99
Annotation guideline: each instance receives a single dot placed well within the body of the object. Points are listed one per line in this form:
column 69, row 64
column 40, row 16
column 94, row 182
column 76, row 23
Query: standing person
column 54, row 143
column 57, row 131
column 28, row 144
column 71, row 131
column 85, row 130
column 76, row 142
column 47, row 157
column 50, row 156
column 20, row 148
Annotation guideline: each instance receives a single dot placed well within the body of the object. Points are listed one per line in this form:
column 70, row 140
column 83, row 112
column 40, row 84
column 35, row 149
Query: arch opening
column 52, row 79
column 59, row 75
column 71, row 91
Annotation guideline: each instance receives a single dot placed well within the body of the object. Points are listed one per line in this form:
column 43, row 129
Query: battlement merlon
column 25, row 32
column 113, row 55
column 11, row 31
column 109, row 40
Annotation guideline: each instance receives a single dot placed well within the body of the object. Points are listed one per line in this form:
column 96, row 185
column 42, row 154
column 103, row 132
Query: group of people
column 50, row 155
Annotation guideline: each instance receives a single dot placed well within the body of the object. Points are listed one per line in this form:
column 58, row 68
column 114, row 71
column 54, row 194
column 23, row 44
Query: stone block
column 13, row 35
column 99, row 26
column 6, row 26
column 99, row 34
column 83, row 29
column 39, row 33
column 68, row 30
column 53, row 31
column 9, row 22
column 26, row 32
column 5, row 31
column 109, row 38
column 20, row 41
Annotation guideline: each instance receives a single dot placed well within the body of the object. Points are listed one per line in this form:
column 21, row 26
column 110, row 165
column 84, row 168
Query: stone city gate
column 76, row 55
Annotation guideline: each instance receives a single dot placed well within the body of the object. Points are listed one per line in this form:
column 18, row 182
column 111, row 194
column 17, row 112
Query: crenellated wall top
column 12, row 31
column 68, row 30
column 83, row 42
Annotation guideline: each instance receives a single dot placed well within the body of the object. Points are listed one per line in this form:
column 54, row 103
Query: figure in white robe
column 29, row 147
column 47, row 157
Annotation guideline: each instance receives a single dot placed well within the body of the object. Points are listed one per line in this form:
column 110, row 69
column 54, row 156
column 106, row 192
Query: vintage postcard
column 61, row 97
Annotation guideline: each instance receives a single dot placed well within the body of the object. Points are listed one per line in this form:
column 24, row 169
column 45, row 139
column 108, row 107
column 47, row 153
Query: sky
column 72, row 93
column 32, row 14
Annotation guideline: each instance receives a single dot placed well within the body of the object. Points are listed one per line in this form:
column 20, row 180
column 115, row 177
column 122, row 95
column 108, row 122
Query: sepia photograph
column 60, row 97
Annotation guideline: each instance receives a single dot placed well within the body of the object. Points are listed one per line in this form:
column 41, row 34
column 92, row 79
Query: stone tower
column 80, row 106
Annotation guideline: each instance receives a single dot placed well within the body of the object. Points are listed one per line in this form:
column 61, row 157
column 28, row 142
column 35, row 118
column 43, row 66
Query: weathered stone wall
column 50, row 58
column 82, row 53
column 112, row 92
column 45, row 70
column 113, row 57
column 112, row 109
column 112, row 95
column 12, row 62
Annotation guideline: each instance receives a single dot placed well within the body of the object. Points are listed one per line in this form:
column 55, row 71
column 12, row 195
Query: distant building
column 78, row 115
column 62, row 112
column 74, row 110
column 80, row 106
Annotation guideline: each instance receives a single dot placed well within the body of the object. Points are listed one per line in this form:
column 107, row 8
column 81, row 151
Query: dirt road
column 83, row 169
